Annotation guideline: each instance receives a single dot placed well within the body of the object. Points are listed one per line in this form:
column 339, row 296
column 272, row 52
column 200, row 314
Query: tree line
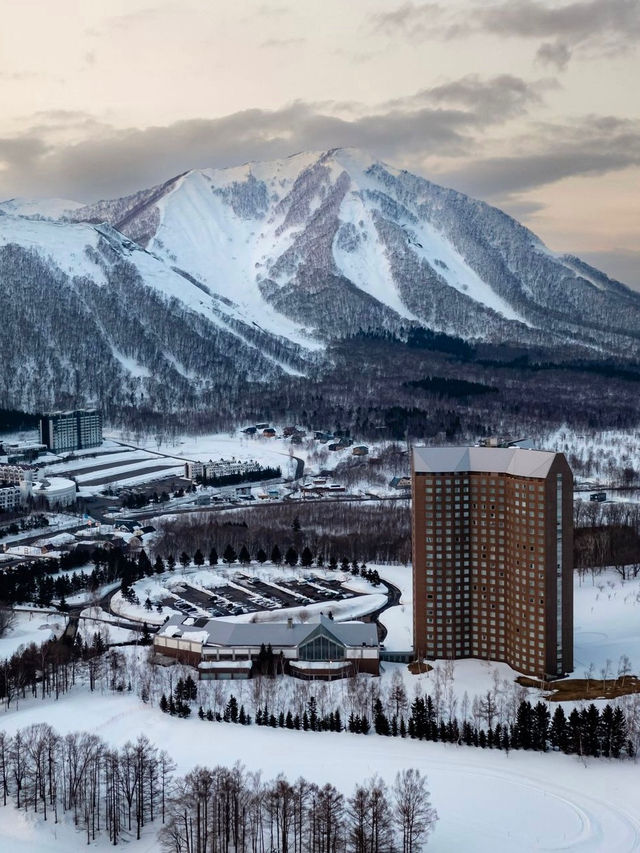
column 375, row 533
column 119, row 792
column 585, row 732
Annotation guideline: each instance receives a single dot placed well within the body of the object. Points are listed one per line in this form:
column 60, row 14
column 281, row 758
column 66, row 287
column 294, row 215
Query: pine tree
column 261, row 557
column 185, row 559
column 229, row 556
column 164, row 705
column 380, row 721
column 171, row 562
column 159, row 565
column 245, row 556
column 198, row 558
column 306, row 558
column 213, row 557
column 619, row 733
column 276, row 556
column 558, row 730
column 291, row 557
column 201, row 712
column 344, row 565
column 574, row 733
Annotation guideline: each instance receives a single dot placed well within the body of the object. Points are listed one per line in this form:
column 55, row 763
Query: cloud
column 107, row 162
column 413, row 20
column 575, row 22
column 493, row 100
column 71, row 154
column 590, row 146
column 554, row 53
column 600, row 25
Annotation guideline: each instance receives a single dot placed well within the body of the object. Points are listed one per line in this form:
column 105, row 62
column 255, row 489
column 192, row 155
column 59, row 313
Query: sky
column 532, row 106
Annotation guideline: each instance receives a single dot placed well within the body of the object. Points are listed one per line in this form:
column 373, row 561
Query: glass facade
column 321, row 648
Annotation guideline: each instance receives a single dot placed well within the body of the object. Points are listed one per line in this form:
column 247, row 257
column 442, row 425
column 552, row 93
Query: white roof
column 507, row 460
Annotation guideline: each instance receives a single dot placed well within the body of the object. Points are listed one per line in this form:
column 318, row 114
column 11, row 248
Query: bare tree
column 414, row 815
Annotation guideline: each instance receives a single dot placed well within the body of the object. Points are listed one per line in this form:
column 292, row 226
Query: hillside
column 220, row 281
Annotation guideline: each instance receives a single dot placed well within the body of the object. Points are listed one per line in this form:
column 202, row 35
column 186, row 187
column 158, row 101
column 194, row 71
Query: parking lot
column 245, row 593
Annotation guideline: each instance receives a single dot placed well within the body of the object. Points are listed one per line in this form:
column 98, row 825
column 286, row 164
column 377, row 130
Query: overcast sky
column 533, row 106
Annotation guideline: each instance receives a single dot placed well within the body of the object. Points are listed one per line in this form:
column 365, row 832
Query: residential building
column 66, row 431
column 10, row 497
column 493, row 556
column 315, row 650
column 21, row 476
column 222, row 468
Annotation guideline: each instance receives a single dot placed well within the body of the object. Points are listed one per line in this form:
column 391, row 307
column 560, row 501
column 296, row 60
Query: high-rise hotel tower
column 493, row 556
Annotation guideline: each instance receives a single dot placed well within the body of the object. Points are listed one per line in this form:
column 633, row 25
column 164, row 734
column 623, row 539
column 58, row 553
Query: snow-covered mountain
column 245, row 274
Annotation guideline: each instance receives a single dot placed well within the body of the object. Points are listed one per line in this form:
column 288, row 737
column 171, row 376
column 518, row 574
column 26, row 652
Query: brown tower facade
column 493, row 556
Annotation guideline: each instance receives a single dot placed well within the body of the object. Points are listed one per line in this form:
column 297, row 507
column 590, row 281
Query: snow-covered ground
column 486, row 800
column 31, row 627
column 597, row 455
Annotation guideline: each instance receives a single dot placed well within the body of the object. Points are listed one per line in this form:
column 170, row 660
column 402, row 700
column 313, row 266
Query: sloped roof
column 221, row 633
column 517, row 461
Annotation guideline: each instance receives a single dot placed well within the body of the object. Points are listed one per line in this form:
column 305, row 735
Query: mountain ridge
column 264, row 265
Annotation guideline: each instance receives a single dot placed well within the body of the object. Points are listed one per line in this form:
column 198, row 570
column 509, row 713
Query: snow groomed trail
column 486, row 800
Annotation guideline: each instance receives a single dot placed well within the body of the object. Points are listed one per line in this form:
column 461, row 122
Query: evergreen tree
column 344, row 564
column 276, row 556
column 164, row 704
column 380, row 721
column 261, row 556
column 291, row 557
column 229, row 556
column 198, row 558
column 574, row 733
column 619, row 733
column 245, row 556
column 333, row 563
column 590, row 719
column 306, row 558
column 540, row 733
column 213, row 557
column 159, row 565
column 171, row 562
column 185, row 559
column 558, row 730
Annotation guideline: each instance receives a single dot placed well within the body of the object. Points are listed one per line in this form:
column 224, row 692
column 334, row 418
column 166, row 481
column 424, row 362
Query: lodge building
column 322, row 649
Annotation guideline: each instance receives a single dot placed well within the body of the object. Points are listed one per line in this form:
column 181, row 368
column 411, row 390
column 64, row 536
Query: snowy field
column 487, row 801
column 266, row 451
column 31, row 627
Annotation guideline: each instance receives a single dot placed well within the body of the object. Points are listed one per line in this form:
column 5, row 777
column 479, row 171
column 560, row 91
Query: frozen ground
column 266, row 451
column 29, row 628
column 486, row 801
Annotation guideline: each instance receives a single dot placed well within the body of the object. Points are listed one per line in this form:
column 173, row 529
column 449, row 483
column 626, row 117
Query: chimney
column 290, row 622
